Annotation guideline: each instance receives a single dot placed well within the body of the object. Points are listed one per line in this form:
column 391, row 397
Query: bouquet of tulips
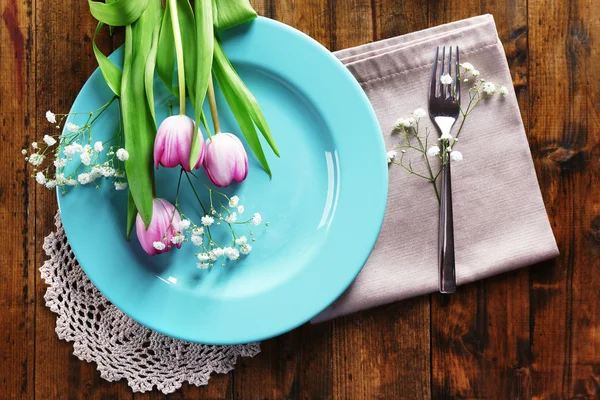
column 170, row 40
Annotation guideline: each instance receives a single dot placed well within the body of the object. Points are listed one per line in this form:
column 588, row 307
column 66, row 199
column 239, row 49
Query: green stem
column 179, row 53
column 195, row 193
column 213, row 106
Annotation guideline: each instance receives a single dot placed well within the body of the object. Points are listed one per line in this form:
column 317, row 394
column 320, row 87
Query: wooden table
column 530, row 333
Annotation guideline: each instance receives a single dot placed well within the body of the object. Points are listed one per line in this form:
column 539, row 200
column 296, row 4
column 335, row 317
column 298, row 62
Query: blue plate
column 325, row 202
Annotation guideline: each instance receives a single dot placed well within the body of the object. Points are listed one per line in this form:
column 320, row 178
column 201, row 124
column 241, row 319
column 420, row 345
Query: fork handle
column 446, row 234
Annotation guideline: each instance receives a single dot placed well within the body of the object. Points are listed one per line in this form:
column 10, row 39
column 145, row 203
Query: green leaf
column 131, row 215
column 187, row 25
column 242, row 117
column 111, row 73
column 204, row 49
column 166, row 47
column 118, row 13
column 149, row 72
column 165, row 60
column 249, row 103
column 230, row 13
column 138, row 124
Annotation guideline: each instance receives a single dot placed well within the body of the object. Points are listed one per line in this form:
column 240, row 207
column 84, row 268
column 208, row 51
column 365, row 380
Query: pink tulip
column 225, row 159
column 161, row 230
column 173, row 143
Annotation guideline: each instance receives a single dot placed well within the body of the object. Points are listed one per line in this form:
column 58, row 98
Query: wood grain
column 527, row 334
column 17, row 225
column 64, row 61
column 565, row 142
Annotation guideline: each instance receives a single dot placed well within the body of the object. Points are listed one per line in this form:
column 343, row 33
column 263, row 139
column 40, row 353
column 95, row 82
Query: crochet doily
column 121, row 347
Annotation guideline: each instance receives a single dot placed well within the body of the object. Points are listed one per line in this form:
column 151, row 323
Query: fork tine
column 457, row 77
column 449, row 87
column 434, row 78
column 442, row 72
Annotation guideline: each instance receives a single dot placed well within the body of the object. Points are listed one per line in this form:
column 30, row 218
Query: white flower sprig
column 96, row 159
column 409, row 128
column 221, row 213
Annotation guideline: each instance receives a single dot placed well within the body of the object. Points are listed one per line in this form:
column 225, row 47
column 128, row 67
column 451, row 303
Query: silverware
column 443, row 111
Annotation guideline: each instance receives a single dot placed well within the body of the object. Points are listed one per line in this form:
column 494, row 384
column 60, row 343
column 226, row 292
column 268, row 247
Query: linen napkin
column 500, row 222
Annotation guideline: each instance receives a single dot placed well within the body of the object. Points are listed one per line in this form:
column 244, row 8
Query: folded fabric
column 500, row 222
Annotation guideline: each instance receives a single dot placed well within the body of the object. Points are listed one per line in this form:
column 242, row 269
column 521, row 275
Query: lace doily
column 121, row 347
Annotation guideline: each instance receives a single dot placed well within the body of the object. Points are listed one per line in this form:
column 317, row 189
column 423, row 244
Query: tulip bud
column 173, row 143
column 158, row 237
column 225, row 159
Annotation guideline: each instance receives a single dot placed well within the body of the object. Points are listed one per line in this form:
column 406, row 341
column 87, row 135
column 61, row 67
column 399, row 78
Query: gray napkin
column 500, row 222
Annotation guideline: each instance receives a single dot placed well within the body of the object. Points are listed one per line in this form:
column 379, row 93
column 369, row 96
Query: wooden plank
column 17, row 226
column 564, row 133
column 480, row 336
column 383, row 353
column 64, row 62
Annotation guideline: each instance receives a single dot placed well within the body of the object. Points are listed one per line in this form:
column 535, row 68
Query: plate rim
column 379, row 214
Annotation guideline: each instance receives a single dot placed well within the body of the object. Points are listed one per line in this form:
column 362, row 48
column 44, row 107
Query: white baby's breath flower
column 241, row 240
column 60, row 179
column 51, row 117
column 203, row 257
column 433, row 151
column 475, row 73
column 71, row 127
column 489, row 88
column 85, row 158
column 390, row 155
column 158, row 245
column 231, row 253
column 35, row 145
column 419, row 113
column 40, row 178
column 231, row 218
column 400, row 123
column 49, row 140
column 24, row 151
column 177, row 239
column 98, row 146
column 36, row 159
column 84, row 178
column 207, row 220
column 107, row 172
column 96, row 173
column 120, row 185
column 71, row 182
column 69, row 150
column 217, row 252
column 456, row 155
column 410, row 122
column 51, row 184
column 446, row 79
column 184, row 224
column 233, row 201
column 445, row 136
column 503, row 91
column 245, row 249
column 198, row 231
column 78, row 147
column 256, row 219
column 240, row 209
column 197, row 240
column 467, row 66
column 122, row 155
column 202, row 265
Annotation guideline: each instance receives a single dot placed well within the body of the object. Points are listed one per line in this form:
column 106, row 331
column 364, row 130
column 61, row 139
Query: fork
column 444, row 110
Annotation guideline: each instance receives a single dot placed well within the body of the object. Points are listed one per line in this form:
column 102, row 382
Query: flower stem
column 179, row 53
column 213, row 106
